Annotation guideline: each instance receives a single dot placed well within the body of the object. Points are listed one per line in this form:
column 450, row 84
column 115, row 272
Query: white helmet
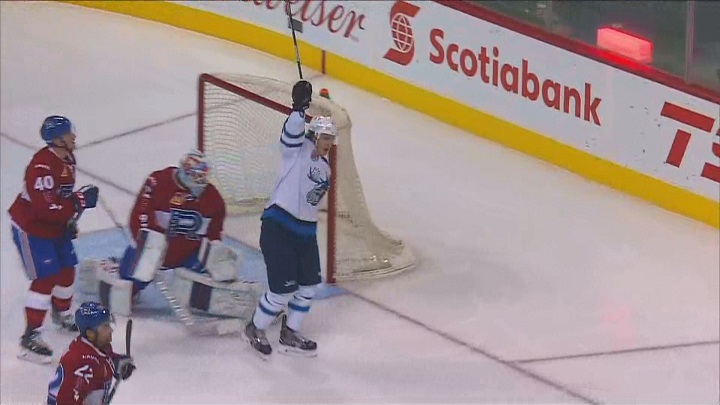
column 323, row 125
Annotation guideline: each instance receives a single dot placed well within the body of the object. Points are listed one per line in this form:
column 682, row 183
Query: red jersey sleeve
column 143, row 211
column 217, row 220
column 42, row 187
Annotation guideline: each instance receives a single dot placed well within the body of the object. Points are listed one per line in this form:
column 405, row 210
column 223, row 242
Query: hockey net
column 239, row 122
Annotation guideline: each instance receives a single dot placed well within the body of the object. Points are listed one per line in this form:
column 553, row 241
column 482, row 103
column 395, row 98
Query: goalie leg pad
column 225, row 299
column 221, row 261
column 100, row 278
column 86, row 280
column 149, row 255
column 115, row 293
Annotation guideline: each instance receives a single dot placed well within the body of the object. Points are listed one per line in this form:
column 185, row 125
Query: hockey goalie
column 176, row 224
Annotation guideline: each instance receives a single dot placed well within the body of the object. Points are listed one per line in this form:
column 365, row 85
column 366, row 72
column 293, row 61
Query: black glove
column 124, row 366
column 301, row 95
column 86, row 197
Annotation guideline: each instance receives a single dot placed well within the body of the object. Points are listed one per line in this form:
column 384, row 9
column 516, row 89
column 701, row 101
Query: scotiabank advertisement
column 612, row 114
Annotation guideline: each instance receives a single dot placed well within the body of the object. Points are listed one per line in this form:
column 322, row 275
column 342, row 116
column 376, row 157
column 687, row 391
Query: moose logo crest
column 321, row 186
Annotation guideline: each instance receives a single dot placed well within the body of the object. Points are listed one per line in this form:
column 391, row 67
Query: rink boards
column 635, row 130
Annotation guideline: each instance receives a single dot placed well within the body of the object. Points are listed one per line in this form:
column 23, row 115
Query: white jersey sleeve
column 304, row 177
column 293, row 133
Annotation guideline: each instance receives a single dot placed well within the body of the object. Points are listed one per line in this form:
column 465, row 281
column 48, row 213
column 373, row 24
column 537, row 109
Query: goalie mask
column 194, row 172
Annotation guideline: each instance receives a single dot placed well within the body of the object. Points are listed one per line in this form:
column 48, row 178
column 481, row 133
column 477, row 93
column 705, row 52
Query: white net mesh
column 240, row 123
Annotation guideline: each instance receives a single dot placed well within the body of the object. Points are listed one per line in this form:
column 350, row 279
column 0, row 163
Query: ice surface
column 519, row 260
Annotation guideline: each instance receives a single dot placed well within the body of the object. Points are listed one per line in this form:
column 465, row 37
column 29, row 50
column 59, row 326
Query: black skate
column 292, row 342
column 64, row 321
column 257, row 340
column 34, row 349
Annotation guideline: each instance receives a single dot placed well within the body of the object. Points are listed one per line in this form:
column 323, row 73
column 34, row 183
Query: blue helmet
column 54, row 127
column 90, row 316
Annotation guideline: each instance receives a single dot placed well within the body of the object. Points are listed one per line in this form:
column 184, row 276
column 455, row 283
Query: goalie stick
column 215, row 327
column 128, row 337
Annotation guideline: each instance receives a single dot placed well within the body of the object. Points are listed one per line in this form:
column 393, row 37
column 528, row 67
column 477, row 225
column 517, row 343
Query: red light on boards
column 625, row 43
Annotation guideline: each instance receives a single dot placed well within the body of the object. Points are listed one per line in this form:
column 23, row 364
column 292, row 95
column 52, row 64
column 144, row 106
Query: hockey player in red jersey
column 180, row 203
column 44, row 223
column 177, row 223
column 86, row 370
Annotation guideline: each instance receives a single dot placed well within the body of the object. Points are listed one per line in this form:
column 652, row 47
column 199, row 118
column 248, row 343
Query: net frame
column 348, row 217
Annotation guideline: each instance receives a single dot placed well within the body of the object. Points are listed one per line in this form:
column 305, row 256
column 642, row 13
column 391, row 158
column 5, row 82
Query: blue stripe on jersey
column 284, row 218
column 288, row 134
column 291, row 145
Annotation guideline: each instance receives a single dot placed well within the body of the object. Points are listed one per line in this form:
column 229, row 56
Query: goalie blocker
column 206, row 283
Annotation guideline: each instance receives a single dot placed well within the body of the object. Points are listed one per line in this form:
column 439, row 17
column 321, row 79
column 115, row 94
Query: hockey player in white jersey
column 288, row 235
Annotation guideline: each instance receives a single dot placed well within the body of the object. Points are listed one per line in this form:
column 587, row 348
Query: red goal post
column 239, row 122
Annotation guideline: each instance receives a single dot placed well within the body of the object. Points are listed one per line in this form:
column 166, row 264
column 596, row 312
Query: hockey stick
column 128, row 337
column 294, row 37
column 218, row 327
column 114, row 219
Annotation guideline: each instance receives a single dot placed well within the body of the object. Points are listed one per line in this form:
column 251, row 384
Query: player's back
column 46, row 173
column 83, row 376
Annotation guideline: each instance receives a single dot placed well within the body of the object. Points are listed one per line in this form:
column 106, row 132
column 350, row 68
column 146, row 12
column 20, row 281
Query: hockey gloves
column 85, row 197
column 301, row 95
column 124, row 366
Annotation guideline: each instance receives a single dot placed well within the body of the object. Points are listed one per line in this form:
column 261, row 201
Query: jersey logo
column 316, row 194
column 185, row 222
column 68, row 171
column 177, row 199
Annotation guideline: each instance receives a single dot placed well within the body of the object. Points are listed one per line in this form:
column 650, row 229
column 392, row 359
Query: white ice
column 519, row 260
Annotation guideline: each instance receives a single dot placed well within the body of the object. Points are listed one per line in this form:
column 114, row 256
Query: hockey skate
column 34, row 349
column 294, row 343
column 257, row 340
column 64, row 321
